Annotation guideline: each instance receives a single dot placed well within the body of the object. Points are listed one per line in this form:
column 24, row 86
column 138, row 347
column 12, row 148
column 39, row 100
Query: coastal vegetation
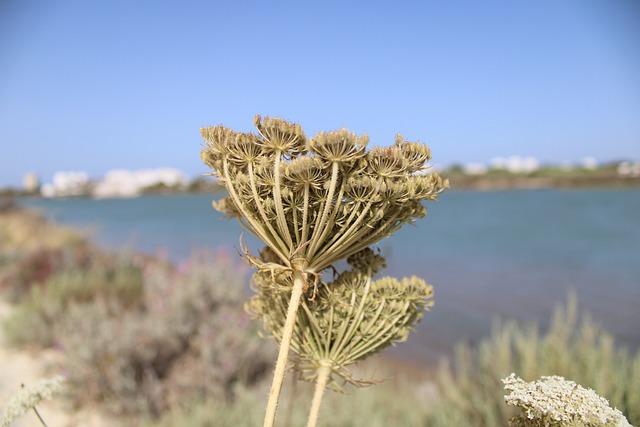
column 613, row 175
column 546, row 176
column 168, row 344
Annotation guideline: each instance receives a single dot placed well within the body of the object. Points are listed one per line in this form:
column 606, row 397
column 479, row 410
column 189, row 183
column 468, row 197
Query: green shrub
column 391, row 403
column 190, row 340
column 115, row 279
column 472, row 393
column 468, row 394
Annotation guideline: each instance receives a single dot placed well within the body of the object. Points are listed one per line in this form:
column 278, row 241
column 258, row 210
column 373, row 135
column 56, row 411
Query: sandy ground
column 22, row 367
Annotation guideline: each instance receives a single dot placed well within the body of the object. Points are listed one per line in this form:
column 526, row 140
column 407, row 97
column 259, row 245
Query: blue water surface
column 507, row 254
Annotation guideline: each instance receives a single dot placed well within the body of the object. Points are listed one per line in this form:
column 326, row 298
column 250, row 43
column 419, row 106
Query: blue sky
column 97, row 85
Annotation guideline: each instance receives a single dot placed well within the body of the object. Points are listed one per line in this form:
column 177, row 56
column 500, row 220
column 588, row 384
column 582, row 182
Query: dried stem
column 321, row 383
column 287, row 332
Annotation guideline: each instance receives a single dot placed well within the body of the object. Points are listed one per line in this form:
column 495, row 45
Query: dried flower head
column 314, row 203
column 555, row 402
column 321, row 200
column 348, row 320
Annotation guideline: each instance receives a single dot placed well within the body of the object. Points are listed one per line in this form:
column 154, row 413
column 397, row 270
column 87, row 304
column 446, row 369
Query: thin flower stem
column 277, row 197
column 258, row 201
column 39, row 417
column 320, row 226
column 321, row 383
column 259, row 231
column 305, row 214
column 330, row 223
column 347, row 338
column 315, row 329
column 287, row 332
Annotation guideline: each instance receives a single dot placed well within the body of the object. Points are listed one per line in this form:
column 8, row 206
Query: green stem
column 321, row 383
column 287, row 332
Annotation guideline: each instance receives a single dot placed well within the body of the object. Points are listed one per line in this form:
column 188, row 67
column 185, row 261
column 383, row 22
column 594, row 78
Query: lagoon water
column 489, row 255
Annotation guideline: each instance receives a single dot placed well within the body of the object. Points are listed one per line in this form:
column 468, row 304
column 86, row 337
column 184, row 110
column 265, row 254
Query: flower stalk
column 321, row 383
column 313, row 203
column 283, row 352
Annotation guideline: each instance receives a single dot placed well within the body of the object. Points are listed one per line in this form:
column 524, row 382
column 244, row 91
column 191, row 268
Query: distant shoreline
column 492, row 183
column 485, row 182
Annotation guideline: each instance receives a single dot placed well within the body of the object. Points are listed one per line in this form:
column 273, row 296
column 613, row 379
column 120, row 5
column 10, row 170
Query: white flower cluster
column 29, row 397
column 553, row 401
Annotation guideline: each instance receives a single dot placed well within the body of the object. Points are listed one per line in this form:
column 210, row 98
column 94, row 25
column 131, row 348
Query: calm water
column 512, row 254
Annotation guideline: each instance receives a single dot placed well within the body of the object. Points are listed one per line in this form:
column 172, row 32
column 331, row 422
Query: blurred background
column 103, row 85
column 531, row 109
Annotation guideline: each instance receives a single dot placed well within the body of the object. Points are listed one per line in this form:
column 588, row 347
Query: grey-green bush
column 191, row 340
column 472, row 392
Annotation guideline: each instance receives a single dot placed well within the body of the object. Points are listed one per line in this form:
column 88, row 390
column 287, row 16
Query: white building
column 126, row 183
column 516, row 164
column 66, row 183
column 629, row 168
column 475, row 168
column 31, row 182
column 589, row 163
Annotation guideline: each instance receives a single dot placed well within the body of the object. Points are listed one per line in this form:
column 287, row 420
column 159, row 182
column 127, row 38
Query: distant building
column 475, row 169
column 589, row 163
column 126, row 183
column 516, row 164
column 629, row 169
column 67, row 183
column 31, row 183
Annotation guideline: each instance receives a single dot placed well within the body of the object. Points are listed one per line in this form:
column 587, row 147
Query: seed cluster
column 314, row 202
column 350, row 318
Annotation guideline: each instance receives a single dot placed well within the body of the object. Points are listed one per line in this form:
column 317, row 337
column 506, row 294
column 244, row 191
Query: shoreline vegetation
column 142, row 341
column 547, row 177
column 544, row 178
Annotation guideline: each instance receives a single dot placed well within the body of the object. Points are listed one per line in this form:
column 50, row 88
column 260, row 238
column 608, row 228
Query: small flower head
column 280, row 136
column 346, row 320
column 339, row 146
column 29, row 397
column 387, row 162
column 305, row 172
column 555, row 402
column 415, row 154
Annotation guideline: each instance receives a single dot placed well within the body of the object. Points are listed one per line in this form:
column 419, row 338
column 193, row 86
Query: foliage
column 192, row 340
column 472, row 395
column 392, row 403
column 138, row 340
column 137, row 334
column 22, row 230
column 32, row 248
column 117, row 280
